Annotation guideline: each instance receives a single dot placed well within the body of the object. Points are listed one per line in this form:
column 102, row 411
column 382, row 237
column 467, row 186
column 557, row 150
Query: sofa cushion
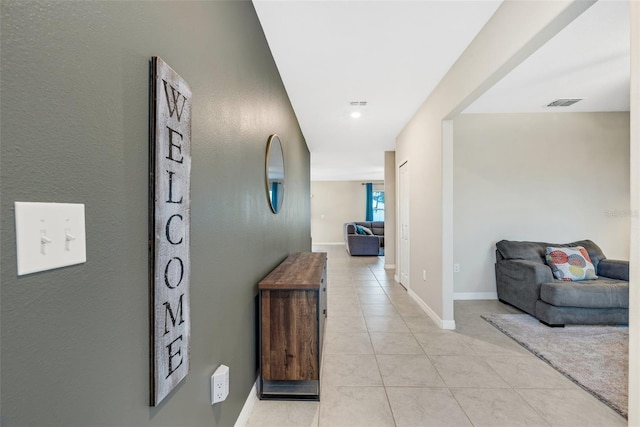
column 553, row 315
column 599, row 293
column 614, row 269
column 528, row 251
column 536, row 251
column 570, row 264
column 350, row 228
column 367, row 230
column 378, row 228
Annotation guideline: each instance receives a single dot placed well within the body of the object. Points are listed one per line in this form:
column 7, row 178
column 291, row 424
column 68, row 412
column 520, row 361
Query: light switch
column 49, row 235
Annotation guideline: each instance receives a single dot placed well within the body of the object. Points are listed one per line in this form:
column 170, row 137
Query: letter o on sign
column 173, row 274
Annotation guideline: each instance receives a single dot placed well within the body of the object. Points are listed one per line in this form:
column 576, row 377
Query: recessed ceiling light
column 356, row 114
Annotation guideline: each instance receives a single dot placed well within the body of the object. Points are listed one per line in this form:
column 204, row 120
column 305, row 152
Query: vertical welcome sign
column 169, row 218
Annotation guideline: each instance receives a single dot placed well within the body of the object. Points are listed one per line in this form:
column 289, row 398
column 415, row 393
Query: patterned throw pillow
column 570, row 264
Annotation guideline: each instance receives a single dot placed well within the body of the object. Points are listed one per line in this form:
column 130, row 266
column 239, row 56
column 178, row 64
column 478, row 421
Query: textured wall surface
column 75, row 129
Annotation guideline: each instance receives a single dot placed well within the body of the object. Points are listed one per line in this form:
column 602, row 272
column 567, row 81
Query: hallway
column 385, row 363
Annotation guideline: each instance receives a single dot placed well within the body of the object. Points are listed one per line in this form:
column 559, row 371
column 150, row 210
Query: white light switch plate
column 49, row 235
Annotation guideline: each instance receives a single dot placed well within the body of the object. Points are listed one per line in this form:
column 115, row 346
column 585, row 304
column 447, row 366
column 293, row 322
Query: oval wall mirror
column 274, row 168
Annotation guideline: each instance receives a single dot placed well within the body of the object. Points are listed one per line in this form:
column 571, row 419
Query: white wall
column 390, row 225
column 332, row 204
column 552, row 177
column 486, row 60
column 634, row 284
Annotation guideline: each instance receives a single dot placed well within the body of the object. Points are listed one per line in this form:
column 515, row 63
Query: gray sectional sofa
column 364, row 245
column 525, row 281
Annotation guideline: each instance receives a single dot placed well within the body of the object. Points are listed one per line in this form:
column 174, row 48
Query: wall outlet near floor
column 456, row 268
column 220, row 384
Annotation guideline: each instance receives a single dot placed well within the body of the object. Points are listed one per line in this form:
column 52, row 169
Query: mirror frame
column 274, row 140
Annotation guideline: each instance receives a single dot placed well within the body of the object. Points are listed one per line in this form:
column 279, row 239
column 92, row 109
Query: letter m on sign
column 169, row 229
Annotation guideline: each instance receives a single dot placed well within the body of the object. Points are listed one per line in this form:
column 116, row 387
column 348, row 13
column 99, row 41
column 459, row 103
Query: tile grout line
column 384, row 386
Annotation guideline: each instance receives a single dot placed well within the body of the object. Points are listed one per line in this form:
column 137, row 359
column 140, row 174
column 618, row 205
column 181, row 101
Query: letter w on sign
column 169, row 225
column 172, row 103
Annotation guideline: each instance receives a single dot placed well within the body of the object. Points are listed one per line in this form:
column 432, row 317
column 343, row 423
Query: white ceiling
column 588, row 60
column 393, row 53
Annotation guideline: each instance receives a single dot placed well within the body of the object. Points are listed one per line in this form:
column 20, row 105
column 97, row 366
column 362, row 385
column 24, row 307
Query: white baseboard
column 442, row 324
column 460, row 296
column 389, row 266
column 327, row 243
column 243, row 418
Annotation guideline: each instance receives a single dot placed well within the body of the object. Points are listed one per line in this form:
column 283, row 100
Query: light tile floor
column 385, row 363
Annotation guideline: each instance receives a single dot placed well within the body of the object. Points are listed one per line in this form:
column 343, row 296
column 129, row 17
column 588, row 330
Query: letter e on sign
column 169, row 225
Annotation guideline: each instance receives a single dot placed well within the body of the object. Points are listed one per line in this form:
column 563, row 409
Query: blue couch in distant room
column 364, row 238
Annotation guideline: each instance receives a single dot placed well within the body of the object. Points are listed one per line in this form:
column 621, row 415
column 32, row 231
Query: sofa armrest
column 518, row 282
column 614, row 269
column 358, row 244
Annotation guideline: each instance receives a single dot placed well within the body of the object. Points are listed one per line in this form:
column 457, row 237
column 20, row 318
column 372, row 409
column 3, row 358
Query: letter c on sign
column 168, row 226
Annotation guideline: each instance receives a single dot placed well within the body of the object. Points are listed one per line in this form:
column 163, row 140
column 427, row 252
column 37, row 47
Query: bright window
column 378, row 205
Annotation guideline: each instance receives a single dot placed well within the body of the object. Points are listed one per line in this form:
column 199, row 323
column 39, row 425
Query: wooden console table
column 293, row 309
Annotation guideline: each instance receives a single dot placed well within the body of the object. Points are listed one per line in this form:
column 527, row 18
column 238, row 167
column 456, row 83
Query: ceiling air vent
column 358, row 103
column 563, row 102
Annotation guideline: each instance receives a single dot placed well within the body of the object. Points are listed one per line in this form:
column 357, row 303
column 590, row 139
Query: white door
column 403, row 214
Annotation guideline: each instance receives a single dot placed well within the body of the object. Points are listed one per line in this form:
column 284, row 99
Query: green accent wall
column 74, row 129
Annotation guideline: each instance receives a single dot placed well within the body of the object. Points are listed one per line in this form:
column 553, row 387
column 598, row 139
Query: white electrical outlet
column 220, row 384
column 456, row 268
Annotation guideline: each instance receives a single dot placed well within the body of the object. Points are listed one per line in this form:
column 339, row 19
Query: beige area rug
column 594, row 357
